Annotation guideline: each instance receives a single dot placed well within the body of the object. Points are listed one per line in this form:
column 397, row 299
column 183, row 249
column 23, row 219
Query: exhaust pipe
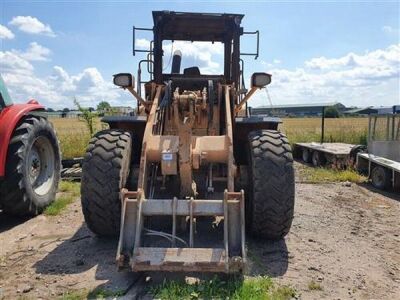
column 176, row 62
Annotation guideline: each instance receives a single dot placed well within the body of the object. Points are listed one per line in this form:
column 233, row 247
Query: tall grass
column 74, row 135
column 344, row 130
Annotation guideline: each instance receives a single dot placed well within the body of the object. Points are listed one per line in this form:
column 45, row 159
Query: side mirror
column 124, row 80
column 260, row 80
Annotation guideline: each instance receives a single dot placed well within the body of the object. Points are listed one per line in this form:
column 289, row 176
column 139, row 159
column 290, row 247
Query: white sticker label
column 167, row 156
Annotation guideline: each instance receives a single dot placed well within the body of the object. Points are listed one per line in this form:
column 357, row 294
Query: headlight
column 123, row 80
column 260, row 79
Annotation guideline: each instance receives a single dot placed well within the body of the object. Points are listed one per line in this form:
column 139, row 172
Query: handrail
column 134, row 50
column 257, row 33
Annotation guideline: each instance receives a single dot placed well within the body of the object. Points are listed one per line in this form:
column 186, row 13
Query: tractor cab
column 5, row 99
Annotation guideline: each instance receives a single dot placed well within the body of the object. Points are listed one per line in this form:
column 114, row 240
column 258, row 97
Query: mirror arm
column 145, row 103
column 245, row 99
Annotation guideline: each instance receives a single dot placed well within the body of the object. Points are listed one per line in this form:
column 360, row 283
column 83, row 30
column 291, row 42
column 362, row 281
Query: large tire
column 105, row 171
column 270, row 199
column 32, row 168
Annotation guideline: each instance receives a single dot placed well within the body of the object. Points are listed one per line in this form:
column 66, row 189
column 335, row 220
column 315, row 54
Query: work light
column 123, row 80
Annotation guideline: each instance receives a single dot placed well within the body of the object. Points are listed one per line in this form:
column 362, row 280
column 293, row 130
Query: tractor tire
column 33, row 168
column 105, row 172
column 271, row 188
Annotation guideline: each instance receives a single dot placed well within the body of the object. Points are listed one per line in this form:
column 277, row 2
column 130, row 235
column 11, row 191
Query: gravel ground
column 345, row 239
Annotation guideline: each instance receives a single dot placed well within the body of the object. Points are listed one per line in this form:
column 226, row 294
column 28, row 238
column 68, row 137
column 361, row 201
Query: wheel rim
column 306, row 155
column 41, row 159
column 315, row 159
column 378, row 177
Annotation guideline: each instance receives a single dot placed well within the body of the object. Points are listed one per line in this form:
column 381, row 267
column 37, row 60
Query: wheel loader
column 183, row 180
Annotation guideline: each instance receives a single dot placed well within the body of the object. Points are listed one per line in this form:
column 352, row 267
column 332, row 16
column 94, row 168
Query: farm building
column 380, row 110
column 64, row 114
column 122, row 110
column 361, row 111
column 312, row 109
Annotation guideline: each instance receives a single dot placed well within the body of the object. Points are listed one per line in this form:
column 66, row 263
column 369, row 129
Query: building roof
column 359, row 110
column 300, row 105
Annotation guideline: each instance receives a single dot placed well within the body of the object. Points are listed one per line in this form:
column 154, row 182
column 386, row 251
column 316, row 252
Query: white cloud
column 58, row 89
column 206, row 55
column 35, row 52
column 387, row 29
column 12, row 63
column 372, row 78
column 142, row 44
column 32, row 25
column 6, row 33
column 324, row 63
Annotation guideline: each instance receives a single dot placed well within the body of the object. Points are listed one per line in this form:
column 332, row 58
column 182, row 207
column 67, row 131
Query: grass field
column 345, row 130
column 74, row 135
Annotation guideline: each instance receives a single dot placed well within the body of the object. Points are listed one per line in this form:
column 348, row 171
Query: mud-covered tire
column 105, row 171
column 271, row 188
column 33, row 167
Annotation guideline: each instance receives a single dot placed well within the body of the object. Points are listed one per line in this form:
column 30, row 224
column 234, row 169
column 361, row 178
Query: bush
column 331, row 112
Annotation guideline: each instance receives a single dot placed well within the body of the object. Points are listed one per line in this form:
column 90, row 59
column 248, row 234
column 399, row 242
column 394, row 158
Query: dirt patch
column 344, row 240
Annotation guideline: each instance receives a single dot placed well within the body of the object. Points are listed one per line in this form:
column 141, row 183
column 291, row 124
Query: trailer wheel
column 32, row 168
column 306, row 155
column 318, row 159
column 270, row 201
column 380, row 177
column 105, row 171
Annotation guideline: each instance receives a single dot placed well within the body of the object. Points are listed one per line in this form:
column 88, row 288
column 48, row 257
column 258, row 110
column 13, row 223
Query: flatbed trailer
column 382, row 162
column 383, row 172
column 338, row 154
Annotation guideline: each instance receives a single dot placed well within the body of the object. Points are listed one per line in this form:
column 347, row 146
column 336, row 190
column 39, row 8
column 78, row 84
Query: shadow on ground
column 82, row 252
column 269, row 258
column 7, row 222
column 392, row 194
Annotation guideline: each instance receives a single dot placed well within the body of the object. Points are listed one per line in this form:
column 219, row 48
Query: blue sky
column 316, row 51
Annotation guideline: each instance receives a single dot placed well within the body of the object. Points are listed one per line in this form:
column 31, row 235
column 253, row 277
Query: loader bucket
column 228, row 258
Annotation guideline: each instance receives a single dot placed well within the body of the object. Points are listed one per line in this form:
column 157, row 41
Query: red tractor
column 29, row 157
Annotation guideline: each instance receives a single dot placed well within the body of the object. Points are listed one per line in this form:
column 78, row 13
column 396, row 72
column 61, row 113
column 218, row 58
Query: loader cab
column 218, row 29
column 197, row 27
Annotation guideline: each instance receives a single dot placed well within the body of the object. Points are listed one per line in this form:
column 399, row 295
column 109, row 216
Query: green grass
column 94, row 294
column 256, row 288
column 70, row 187
column 75, row 295
column 69, row 192
column 314, row 286
column 322, row 175
column 73, row 145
